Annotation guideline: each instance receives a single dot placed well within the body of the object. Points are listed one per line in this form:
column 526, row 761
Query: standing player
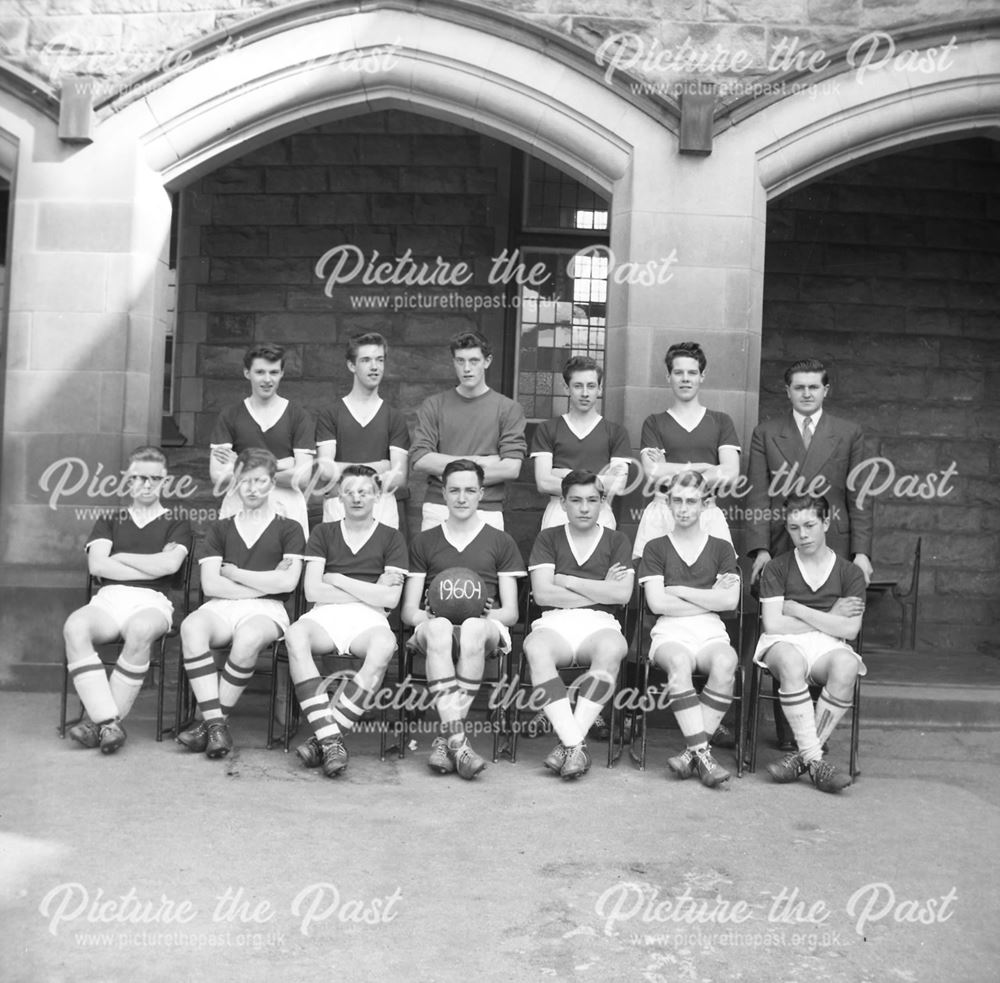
column 686, row 437
column 688, row 576
column 136, row 554
column 249, row 567
column 265, row 419
column 580, row 572
column 580, row 440
column 812, row 601
column 806, row 451
column 472, row 423
column 465, row 540
column 362, row 429
column 354, row 572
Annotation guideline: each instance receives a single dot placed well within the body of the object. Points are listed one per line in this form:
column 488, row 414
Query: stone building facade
column 832, row 194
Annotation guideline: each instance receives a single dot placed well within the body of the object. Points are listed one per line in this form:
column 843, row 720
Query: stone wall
column 657, row 41
column 888, row 272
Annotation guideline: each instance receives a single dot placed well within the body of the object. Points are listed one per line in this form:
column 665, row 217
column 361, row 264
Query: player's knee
column 248, row 641
column 381, row 649
column 143, row 631
column 437, row 632
column 675, row 663
column 474, row 631
column 724, row 662
column 76, row 631
column 843, row 671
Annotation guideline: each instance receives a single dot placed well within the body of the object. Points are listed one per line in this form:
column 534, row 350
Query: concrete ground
column 156, row 864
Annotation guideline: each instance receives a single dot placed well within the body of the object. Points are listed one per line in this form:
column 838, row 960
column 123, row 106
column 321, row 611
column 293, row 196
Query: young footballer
column 266, row 420
column 580, row 572
column 473, row 423
column 812, row 601
column 686, row 437
column 135, row 554
column 688, row 577
column 249, row 567
column 456, row 654
column 355, row 569
column 360, row 428
column 580, row 440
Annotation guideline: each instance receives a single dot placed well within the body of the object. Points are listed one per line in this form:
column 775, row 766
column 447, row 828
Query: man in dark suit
column 805, row 451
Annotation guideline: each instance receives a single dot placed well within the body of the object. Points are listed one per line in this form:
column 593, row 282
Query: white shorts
column 693, row 631
column 503, row 645
column 555, row 515
column 234, row 613
column 289, row 502
column 122, row 602
column 433, row 515
column 657, row 520
column 812, row 644
column 576, row 625
column 344, row 622
column 386, row 511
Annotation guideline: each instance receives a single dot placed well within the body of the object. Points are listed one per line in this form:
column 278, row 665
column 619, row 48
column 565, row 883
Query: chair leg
column 291, row 710
column 644, row 711
column 272, row 703
column 522, row 674
column 64, row 697
column 740, row 727
column 161, row 686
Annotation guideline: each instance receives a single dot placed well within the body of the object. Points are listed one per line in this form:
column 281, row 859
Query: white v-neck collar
column 446, row 532
column 363, row 421
column 581, row 558
column 810, row 577
column 353, row 541
column 243, row 530
column 689, row 554
column 581, row 434
column 150, row 517
column 282, row 402
column 683, row 425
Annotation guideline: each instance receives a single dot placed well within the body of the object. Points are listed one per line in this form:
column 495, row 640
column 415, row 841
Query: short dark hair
column 463, row 464
column 150, row 454
column 267, row 351
column 687, row 479
column 470, row 339
column 581, row 363
column 685, row 349
column 371, row 338
column 361, row 471
column 256, row 457
column 807, row 503
column 580, row 477
column 806, row 365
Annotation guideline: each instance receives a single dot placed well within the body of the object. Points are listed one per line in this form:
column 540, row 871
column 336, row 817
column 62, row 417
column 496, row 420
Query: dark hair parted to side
column 256, row 457
column 148, row 453
column 686, row 479
column 806, row 365
column 581, row 363
column 807, row 503
column 470, row 339
column 371, row 338
column 581, row 477
column 463, row 464
column 361, row 471
column 685, row 349
column 267, row 351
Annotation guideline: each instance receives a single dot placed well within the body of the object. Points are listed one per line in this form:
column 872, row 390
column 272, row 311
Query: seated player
column 579, row 572
column 580, row 440
column 135, row 553
column 687, row 577
column 249, row 566
column 464, row 539
column 354, row 572
column 812, row 601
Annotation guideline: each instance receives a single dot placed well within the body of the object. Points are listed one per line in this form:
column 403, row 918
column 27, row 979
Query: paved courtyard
column 157, row 865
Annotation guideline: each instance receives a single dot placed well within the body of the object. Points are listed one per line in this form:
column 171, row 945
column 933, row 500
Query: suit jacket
column 836, row 448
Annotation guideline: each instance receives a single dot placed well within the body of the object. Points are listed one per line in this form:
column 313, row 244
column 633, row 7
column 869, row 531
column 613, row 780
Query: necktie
column 807, row 432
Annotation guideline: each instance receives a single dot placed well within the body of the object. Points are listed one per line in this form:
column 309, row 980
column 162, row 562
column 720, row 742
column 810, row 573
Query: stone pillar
column 85, row 363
